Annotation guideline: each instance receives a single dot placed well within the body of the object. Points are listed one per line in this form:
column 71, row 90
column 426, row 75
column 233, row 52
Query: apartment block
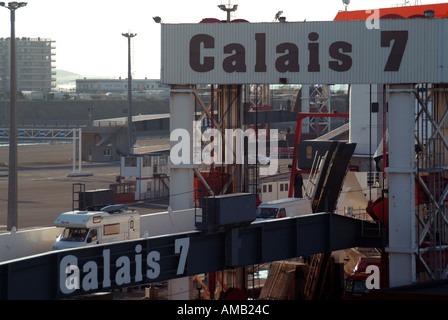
column 35, row 64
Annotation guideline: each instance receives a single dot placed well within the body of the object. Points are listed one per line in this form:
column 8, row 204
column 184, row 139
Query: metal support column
column 13, row 189
column 401, row 175
column 305, row 107
column 181, row 175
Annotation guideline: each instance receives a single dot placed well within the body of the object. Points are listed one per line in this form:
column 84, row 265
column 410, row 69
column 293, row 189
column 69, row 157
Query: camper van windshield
column 266, row 212
column 74, row 234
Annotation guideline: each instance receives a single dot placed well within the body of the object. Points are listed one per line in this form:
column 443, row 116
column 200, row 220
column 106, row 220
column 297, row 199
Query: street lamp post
column 129, row 36
column 12, row 220
column 228, row 8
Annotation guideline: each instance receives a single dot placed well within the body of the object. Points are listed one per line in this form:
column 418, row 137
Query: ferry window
column 286, row 187
column 74, row 234
column 130, row 162
column 111, row 229
column 126, row 188
column 264, row 189
column 131, row 224
column 107, row 152
column 281, row 186
column 309, row 152
column 282, row 213
column 93, row 236
column 147, row 161
column 270, row 188
column 266, row 212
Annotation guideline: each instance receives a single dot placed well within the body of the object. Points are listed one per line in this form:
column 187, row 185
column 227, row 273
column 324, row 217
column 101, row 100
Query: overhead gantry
column 342, row 52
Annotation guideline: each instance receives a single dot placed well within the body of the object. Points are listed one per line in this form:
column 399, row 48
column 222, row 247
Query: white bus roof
column 75, row 219
column 83, row 219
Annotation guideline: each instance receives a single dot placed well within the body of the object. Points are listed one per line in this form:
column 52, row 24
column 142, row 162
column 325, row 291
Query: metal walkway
column 62, row 274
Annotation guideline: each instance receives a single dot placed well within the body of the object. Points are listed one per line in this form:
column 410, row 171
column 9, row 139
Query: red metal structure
column 406, row 12
column 378, row 209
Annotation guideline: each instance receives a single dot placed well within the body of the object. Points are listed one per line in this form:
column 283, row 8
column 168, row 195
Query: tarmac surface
column 45, row 190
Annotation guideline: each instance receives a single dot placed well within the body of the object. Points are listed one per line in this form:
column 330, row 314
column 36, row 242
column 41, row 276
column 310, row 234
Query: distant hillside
column 65, row 74
column 67, row 79
column 64, row 77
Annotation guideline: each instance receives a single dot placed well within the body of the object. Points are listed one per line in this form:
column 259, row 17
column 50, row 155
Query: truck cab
column 289, row 207
column 355, row 284
column 85, row 228
column 77, row 237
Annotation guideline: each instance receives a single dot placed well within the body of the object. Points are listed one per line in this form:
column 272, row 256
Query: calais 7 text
column 123, row 271
column 201, row 45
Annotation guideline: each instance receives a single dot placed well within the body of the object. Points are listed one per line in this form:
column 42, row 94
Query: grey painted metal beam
column 122, row 264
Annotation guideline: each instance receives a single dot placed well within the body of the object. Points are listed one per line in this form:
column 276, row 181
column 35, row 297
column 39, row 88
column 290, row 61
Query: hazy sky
column 88, row 32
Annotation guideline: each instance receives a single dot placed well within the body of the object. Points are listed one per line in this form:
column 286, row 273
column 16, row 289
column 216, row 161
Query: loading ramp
column 327, row 174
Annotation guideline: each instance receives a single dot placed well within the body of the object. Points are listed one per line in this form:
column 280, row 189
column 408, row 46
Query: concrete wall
column 38, row 112
column 19, row 244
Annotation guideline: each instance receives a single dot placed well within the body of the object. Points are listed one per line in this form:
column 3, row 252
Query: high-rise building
column 35, row 68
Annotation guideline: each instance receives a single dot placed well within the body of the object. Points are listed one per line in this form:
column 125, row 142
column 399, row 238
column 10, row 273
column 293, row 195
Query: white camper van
column 289, row 207
column 84, row 228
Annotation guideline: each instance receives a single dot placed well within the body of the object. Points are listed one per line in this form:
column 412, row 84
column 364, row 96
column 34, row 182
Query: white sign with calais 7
column 86, row 277
column 401, row 51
